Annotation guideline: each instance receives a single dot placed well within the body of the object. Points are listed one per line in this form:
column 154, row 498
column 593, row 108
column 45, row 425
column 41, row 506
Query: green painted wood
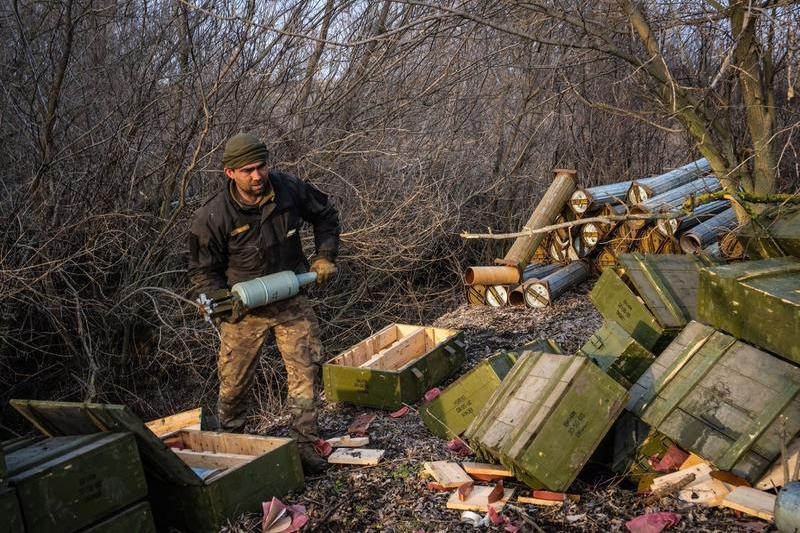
column 617, row 353
column 732, row 455
column 668, row 284
column 224, row 497
column 449, row 414
column 543, row 345
column 390, row 389
column 635, row 443
column 721, row 399
column 675, row 387
column 10, row 514
column 547, row 418
column 196, row 506
column 135, row 519
column 64, row 488
column 756, row 301
column 617, row 302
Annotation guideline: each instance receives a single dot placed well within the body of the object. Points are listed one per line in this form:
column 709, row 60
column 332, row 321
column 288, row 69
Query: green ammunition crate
column 721, row 399
column 542, row 345
column 202, row 479
column 67, row 483
column 546, row 418
column 782, row 235
column 650, row 296
column 756, row 301
column 10, row 513
column 615, row 351
column 635, row 443
column 135, row 519
column 397, row 365
column 455, row 408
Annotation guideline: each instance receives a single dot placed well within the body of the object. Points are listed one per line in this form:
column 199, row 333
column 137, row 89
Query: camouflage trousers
column 296, row 333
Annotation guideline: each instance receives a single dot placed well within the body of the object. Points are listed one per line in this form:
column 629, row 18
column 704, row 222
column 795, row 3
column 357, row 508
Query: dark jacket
column 231, row 242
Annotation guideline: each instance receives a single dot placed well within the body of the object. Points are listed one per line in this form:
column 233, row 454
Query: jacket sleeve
column 316, row 208
column 207, row 257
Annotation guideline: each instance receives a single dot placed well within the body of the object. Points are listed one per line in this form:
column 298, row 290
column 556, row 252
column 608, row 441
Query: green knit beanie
column 243, row 149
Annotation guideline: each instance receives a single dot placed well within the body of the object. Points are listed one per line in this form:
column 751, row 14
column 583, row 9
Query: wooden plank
column 708, row 491
column 348, row 442
column 404, row 350
column 540, row 501
column 700, row 471
column 774, row 476
column 478, row 500
column 216, row 442
column 361, row 456
column 692, row 460
column 170, row 424
column 447, row 474
column 212, row 460
column 751, row 501
column 486, row 469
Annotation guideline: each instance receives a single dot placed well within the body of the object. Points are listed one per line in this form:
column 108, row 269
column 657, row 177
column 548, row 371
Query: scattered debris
column 403, row 411
column 323, row 448
column 478, row 499
column 670, row 461
column 432, row 394
column 361, row 456
column 652, row 522
column 464, row 490
column 486, row 469
column 474, row 519
column 459, row 447
column 282, row 518
column 360, row 425
column 347, row 441
column 447, row 474
column 751, row 501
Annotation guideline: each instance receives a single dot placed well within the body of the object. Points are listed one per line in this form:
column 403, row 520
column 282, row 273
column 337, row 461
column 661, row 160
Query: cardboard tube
column 499, row 275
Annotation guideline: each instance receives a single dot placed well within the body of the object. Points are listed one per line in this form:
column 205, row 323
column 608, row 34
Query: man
column 248, row 229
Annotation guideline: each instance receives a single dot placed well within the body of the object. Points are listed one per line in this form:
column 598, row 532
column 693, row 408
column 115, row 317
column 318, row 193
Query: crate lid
column 74, row 418
column 667, row 283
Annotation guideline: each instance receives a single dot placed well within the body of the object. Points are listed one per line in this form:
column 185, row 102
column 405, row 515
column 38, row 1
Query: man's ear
column 229, row 172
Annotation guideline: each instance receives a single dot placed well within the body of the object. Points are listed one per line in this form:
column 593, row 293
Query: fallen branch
column 672, row 488
column 608, row 219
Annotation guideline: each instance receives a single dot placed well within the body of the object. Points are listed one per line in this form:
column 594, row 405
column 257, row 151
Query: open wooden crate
column 396, row 365
column 196, row 479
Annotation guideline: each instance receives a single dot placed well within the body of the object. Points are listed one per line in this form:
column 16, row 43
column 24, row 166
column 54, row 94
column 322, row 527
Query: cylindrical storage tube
column 272, row 288
column 670, row 246
column 497, row 295
column 644, row 189
column 787, row 508
column 578, row 249
column 674, row 198
column 606, row 259
column 476, row 294
column 558, row 251
column 491, row 275
column 536, row 293
column 591, row 234
column 651, row 241
column 548, row 208
column 713, row 251
column 731, row 247
column 517, row 295
column 708, row 232
column 538, row 271
column 584, row 200
column 543, row 292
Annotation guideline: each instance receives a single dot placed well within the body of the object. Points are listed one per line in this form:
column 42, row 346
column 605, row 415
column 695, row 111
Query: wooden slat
column 751, row 501
column 408, row 347
column 447, row 474
column 211, row 441
column 212, row 460
column 360, row 456
column 478, row 500
column 348, row 442
column 486, row 469
column 170, row 424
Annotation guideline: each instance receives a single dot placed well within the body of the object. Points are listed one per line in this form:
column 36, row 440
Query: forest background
column 419, row 119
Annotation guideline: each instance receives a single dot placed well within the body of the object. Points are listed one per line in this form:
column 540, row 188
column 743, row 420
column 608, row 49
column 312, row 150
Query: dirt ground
column 393, row 496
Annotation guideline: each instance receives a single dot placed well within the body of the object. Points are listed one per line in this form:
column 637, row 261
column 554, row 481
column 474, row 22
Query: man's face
column 251, row 180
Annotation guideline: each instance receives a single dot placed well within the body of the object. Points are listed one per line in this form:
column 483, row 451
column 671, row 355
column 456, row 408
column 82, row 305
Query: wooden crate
column 394, row 366
column 756, row 301
column 135, row 519
column 10, row 514
column 619, row 355
column 546, row 418
column 635, row 443
column 67, row 483
column 720, row 399
column 455, row 408
column 650, row 296
column 197, row 480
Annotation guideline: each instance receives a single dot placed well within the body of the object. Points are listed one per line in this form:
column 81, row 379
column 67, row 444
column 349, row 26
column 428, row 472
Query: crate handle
column 417, row 373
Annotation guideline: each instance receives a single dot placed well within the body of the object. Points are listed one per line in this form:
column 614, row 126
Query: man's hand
column 324, row 268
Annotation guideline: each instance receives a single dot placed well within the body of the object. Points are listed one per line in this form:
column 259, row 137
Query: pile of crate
column 100, row 468
column 596, row 231
column 696, row 360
